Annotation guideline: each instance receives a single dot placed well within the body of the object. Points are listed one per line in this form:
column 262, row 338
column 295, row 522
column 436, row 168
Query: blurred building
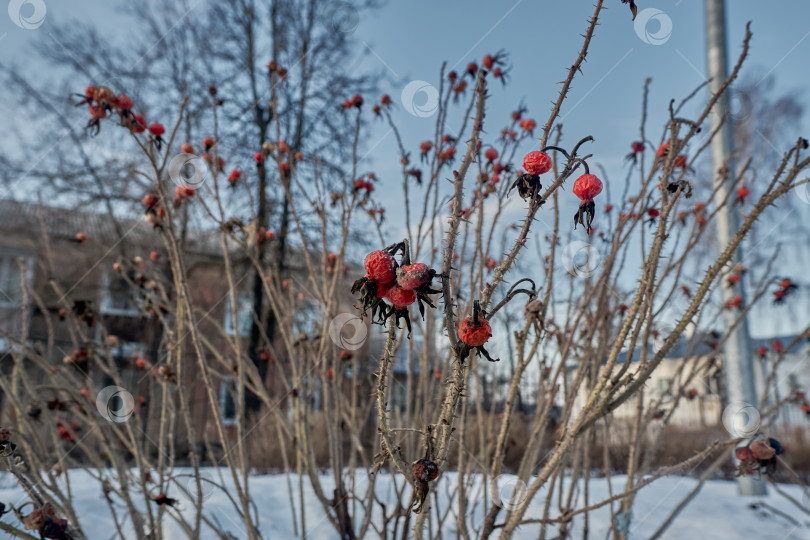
column 64, row 299
column 690, row 382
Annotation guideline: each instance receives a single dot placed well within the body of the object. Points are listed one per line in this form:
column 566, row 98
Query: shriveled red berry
column 139, row 125
column 537, row 162
column 124, row 102
column 528, row 124
column 381, row 267
column 491, row 154
column 150, row 200
column 743, row 453
column 587, row 186
column 400, row 298
column 472, row 334
column 413, row 276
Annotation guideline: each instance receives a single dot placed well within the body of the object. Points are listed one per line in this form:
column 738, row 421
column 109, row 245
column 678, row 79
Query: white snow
column 716, row 512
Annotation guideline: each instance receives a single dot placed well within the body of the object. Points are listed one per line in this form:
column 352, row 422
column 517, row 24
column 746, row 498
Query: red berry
column 528, row 124
column 637, row 147
column 140, row 363
column 785, row 283
column 680, row 161
column 762, row 351
column 381, row 267
column 124, row 102
column 234, row 176
column 587, row 186
column 90, row 91
column 140, row 124
column 413, row 276
column 258, row 157
column 209, row 143
column 777, row 346
column 187, row 148
column 98, row 112
column 488, row 62
column 385, row 100
column 425, row 147
column 472, row 334
column 491, row 154
column 743, row 192
column 743, row 453
column 150, row 200
column 357, row 100
column 653, row 213
column 156, row 129
column 400, row 298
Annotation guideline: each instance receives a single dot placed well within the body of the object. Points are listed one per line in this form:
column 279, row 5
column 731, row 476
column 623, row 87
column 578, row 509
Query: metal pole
column 737, row 361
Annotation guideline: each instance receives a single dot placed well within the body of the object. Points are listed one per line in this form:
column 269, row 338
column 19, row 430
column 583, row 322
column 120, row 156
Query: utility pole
column 738, row 364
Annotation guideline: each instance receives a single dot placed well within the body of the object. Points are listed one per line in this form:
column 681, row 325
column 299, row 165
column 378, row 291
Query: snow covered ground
column 716, row 512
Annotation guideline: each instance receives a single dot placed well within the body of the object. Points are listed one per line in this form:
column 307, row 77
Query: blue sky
column 408, row 40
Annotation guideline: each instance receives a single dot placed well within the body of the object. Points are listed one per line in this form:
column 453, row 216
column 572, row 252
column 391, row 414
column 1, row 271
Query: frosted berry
column 381, row 267
column 413, row 276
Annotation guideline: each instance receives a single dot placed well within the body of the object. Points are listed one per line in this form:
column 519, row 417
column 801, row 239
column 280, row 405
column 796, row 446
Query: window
column 11, row 279
column 116, row 297
column 227, row 405
column 244, row 314
column 665, row 386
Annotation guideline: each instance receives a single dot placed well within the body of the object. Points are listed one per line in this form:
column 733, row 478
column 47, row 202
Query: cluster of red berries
column 274, row 68
column 586, row 187
column 760, row 456
column 786, row 287
column 473, row 332
column 400, row 284
column 385, row 101
column 44, row 521
column 355, row 101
